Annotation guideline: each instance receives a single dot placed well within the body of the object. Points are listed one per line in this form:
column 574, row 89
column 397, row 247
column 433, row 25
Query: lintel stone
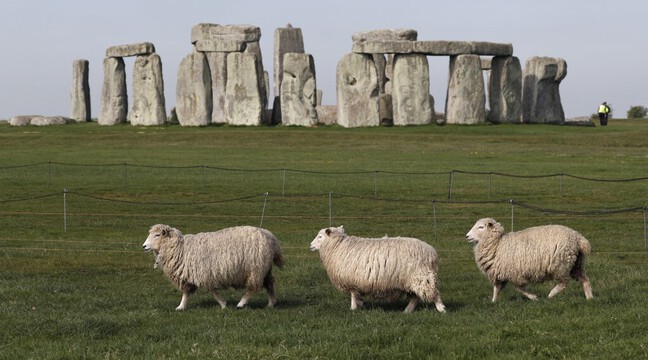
column 432, row 48
column 145, row 48
column 239, row 33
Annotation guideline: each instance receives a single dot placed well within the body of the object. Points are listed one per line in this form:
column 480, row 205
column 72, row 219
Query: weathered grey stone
column 466, row 98
column 194, row 90
column 540, row 94
column 22, row 120
column 286, row 40
column 298, row 90
column 224, row 46
column 358, row 94
column 385, row 34
column 327, row 114
column 173, row 117
column 411, row 90
column 243, row 102
column 145, row 48
column 386, row 110
column 486, row 64
column 218, row 69
column 114, row 99
column 240, row 33
column 505, row 90
column 493, row 49
column 384, row 47
column 381, row 64
column 443, row 48
column 80, row 92
column 432, row 48
column 253, row 48
column 51, row 120
column 148, row 107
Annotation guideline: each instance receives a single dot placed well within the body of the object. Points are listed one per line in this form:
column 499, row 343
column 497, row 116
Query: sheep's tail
column 584, row 246
column 278, row 258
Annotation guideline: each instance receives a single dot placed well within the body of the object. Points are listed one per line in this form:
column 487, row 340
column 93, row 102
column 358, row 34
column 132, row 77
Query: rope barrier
column 357, row 172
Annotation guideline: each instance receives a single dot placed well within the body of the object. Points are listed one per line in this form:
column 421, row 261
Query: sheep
column 387, row 267
column 529, row 256
column 238, row 257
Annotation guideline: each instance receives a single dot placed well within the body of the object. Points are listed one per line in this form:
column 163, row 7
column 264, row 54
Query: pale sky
column 605, row 44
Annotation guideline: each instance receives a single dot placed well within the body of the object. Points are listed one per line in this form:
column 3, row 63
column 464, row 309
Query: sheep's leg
column 496, row 289
column 558, row 288
column 183, row 302
column 219, row 299
column 523, row 291
column 411, row 305
column 587, row 287
column 244, row 300
column 268, row 284
column 356, row 302
column 438, row 304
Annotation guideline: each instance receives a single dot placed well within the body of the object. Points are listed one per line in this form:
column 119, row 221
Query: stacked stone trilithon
column 148, row 106
column 406, row 79
column 222, row 80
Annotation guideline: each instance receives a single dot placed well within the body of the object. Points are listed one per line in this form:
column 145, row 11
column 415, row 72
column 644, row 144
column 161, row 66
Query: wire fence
column 282, row 178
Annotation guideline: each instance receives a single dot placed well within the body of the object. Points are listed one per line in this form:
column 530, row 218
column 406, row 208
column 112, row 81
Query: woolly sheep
column 383, row 268
column 529, row 256
column 238, row 257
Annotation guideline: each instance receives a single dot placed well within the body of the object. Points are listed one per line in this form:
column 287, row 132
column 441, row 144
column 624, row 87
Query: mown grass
column 74, row 282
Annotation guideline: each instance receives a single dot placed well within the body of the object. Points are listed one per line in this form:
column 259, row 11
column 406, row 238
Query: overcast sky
column 605, row 44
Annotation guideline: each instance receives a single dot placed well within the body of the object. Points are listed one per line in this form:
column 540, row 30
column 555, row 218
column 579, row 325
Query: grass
column 79, row 286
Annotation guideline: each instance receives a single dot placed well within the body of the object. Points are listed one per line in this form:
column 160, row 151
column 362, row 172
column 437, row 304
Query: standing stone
column 194, row 91
column 253, row 48
column 286, row 40
column 80, row 92
column 358, row 94
column 466, row 97
column 540, row 95
column 148, row 106
column 218, row 68
column 505, row 90
column 298, row 90
column 411, row 90
column 243, row 102
column 114, row 99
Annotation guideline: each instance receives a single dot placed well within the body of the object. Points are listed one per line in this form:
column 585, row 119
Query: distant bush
column 637, row 112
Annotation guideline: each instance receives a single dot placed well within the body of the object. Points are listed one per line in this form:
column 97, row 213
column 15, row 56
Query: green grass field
column 76, row 203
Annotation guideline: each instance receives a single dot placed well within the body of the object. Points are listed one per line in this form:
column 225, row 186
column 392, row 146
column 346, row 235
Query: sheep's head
column 483, row 229
column 156, row 234
column 325, row 234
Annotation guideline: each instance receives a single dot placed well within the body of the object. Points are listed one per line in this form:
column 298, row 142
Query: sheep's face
column 155, row 236
column 481, row 230
column 323, row 235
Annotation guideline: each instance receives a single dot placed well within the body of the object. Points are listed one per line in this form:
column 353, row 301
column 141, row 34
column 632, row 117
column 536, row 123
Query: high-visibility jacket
column 604, row 109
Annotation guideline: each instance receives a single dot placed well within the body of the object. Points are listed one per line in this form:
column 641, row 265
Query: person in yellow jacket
column 603, row 112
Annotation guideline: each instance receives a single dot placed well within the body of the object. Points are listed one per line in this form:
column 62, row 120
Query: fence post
column 283, row 183
column 265, row 200
column 65, row 191
column 645, row 238
column 376, row 184
column 450, row 185
column 125, row 177
column 330, row 208
column 436, row 235
column 490, row 184
column 512, row 212
column 561, row 190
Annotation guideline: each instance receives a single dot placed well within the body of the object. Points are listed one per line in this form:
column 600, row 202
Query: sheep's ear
column 341, row 229
column 328, row 231
column 490, row 224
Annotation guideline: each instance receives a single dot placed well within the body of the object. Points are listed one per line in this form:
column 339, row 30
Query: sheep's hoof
column 180, row 308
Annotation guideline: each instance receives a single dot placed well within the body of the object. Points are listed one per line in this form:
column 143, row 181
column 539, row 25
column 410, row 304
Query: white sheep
column 530, row 256
column 238, row 257
column 381, row 268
